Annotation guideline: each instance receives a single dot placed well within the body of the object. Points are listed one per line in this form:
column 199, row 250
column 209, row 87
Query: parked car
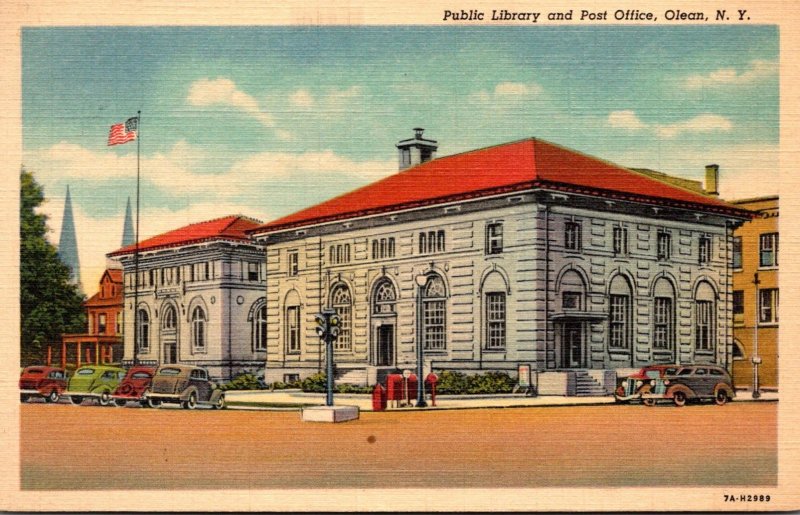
column 185, row 385
column 133, row 385
column 48, row 383
column 632, row 387
column 692, row 383
column 94, row 382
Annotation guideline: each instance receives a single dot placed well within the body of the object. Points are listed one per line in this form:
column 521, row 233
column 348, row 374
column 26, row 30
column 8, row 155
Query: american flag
column 123, row 132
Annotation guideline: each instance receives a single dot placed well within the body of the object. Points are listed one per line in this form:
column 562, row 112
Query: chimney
column 416, row 150
column 712, row 180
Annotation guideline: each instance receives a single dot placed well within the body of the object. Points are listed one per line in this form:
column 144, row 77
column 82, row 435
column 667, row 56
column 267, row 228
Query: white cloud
column 337, row 97
column 301, row 98
column 517, row 89
column 756, row 71
column 699, row 124
column 625, row 120
column 221, row 91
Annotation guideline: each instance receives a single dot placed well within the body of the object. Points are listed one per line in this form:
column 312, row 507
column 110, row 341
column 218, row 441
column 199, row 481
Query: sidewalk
column 295, row 400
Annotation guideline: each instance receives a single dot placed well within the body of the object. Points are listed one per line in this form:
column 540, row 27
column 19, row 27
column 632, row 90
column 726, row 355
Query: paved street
column 89, row 447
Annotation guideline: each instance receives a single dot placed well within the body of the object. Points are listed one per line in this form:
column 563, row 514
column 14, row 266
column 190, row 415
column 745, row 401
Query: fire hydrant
column 378, row 398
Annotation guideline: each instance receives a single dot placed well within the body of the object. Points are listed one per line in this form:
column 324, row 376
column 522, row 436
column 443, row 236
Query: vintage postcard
column 455, row 256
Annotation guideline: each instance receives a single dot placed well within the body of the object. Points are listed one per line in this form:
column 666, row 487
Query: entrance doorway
column 572, row 354
column 384, row 352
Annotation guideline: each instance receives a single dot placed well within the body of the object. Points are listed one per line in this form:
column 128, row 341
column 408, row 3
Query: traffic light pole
column 328, row 323
column 329, row 365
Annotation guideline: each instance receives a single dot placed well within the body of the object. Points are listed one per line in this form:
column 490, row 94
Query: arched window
column 705, row 317
column 259, row 330
column 572, row 291
column 198, row 329
column 434, row 296
column 169, row 318
column 143, row 330
column 494, row 311
column 620, row 314
column 663, row 316
column 384, row 299
column 738, row 351
column 341, row 301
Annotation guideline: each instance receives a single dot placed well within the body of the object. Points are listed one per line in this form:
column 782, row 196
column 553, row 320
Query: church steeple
column 127, row 229
column 68, row 243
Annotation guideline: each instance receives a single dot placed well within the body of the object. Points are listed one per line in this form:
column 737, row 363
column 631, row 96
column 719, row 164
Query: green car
column 94, row 382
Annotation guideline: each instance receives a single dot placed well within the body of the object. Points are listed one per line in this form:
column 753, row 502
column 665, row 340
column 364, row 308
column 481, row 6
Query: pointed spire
column 68, row 243
column 127, row 229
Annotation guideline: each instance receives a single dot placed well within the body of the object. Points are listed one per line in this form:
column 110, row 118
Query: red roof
column 115, row 274
column 520, row 165
column 227, row 228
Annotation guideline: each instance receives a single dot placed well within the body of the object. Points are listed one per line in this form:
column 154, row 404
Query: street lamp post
column 756, row 358
column 421, row 280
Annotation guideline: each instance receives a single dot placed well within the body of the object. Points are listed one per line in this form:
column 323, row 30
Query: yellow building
column 755, row 306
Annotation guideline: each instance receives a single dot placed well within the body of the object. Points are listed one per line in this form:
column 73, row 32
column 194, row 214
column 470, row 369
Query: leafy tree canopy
column 49, row 304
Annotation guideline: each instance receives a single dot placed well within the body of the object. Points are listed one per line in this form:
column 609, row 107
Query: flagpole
column 136, row 248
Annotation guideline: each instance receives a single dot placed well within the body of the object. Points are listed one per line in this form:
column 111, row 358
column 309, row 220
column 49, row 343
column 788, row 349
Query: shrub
column 280, row 385
column 458, row 383
column 243, row 381
column 317, row 384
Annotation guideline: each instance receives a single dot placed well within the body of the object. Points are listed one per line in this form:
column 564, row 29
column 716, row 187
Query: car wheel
column 76, row 399
column 104, row 399
column 649, row 402
column 24, row 398
column 152, row 403
column 721, row 398
column 52, row 396
column 220, row 404
column 120, row 402
column 679, row 398
column 191, row 403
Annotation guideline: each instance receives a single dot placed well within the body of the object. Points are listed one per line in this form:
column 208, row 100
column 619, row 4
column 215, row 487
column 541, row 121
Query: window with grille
column 495, row 321
column 768, row 306
column 198, row 329
column 572, row 236
column 385, row 298
column 768, row 250
column 620, row 313
column 620, row 239
column 170, row 318
column 341, row 301
column 292, row 329
column 704, row 318
column 494, row 238
column 260, row 329
column 433, row 313
column 663, row 324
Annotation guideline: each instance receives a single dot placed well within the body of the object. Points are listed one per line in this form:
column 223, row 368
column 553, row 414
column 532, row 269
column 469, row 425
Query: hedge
column 458, row 383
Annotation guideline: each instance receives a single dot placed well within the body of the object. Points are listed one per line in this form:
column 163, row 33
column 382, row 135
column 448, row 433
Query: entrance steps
column 588, row 386
column 354, row 376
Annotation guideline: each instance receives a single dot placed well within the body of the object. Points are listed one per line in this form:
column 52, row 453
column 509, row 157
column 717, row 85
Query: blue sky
column 263, row 121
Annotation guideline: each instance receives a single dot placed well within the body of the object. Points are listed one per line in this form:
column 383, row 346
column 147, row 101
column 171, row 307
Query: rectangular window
column 664, row 244
column 768, row 306
column 736, row 258
column 440, row 241
column 433, row 315
column 620, row 238
column 293, row 263
column 152, row 278
column 374, row 249
column 704, row 250
column 620, row 307
column 118, row 324
column 662, row 335
column 572, row 236
column 495, row 321
column 391, row 248
column 738, row 306
column 570, row 300
column 293, row 329
column 494, row 238
column 432, row 241
column 704, row 325
column 101, row 323
column 768, row 250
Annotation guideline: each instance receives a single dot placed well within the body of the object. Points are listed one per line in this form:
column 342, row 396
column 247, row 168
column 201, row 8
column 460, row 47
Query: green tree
column 49, row 304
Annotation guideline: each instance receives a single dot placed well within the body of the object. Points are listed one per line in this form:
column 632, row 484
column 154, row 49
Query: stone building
column 522, row 254
column 200, row 297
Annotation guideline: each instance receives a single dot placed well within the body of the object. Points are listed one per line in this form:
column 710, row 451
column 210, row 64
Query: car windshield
column 169, row 371
column 140, row 375
column 85, row 372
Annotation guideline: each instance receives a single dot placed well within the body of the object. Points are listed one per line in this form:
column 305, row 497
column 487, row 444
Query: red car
column 131, row 388
column 632, row 387
column 46, row 382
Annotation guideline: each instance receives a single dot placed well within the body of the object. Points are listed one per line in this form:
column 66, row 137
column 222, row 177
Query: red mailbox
column 378, row 398
column 394, row 389
column 430, row 381
column 411, row 392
